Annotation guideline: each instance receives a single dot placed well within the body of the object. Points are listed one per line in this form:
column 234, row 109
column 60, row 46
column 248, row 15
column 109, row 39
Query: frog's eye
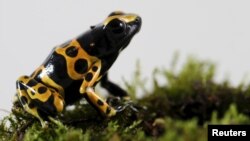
column 116, row 13
column 116, row 26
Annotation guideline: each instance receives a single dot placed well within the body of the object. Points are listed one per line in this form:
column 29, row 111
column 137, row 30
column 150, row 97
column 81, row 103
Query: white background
column 218, row 30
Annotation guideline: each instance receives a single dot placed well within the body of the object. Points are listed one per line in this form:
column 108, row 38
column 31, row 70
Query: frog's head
column 112, row 35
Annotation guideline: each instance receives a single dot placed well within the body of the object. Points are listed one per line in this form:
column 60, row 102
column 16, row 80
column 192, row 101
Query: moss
column 178, row 110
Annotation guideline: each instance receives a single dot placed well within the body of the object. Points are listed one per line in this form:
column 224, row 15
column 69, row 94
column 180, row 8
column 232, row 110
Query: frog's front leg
column 92, row 76
column 39, row 100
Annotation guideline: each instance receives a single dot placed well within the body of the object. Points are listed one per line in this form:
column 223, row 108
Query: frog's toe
column 120, row 104
column 112, row 101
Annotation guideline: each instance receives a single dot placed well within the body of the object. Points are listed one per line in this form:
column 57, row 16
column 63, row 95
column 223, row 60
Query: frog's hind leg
column 37, row 99
column 25, row 101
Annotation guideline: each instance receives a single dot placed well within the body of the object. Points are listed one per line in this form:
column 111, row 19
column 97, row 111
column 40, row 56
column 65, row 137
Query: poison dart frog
column 72, row 69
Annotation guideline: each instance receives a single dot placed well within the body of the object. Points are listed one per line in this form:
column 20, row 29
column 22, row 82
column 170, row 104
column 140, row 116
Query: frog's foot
column 38, row 100
column 120, row 104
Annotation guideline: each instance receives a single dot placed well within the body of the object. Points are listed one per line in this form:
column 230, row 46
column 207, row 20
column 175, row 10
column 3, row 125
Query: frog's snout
column 138, row 22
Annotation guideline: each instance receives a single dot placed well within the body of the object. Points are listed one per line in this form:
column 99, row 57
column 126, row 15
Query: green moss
column 178, row 110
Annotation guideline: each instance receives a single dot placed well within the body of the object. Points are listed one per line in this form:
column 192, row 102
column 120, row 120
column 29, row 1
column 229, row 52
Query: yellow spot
column 126, row 18
column 49, row 82
column 41, row 97
column 59, row 104
column 82, row 54
column 95, row 78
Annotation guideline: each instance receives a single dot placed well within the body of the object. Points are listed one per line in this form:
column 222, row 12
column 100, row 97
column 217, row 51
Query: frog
column 73, row 69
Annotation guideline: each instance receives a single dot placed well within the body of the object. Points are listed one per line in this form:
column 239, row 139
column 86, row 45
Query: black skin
column 112, row 87
column 107, row 47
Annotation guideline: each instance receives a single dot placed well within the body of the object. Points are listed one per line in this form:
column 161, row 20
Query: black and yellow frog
column 72, row 69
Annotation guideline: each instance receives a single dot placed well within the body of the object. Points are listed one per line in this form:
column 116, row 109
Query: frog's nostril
column 138, row 20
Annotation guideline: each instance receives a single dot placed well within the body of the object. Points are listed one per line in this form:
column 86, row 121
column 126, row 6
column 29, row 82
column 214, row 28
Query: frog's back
column 53, row 69
column 65, row 64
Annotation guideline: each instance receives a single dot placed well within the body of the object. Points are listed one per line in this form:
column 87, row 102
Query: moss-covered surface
column 178, row 110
